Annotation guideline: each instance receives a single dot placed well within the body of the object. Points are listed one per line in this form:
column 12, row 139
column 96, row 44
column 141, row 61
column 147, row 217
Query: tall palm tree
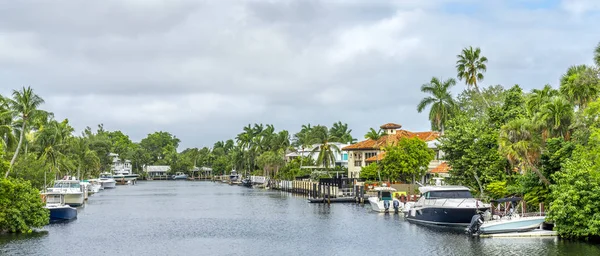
column 7, row 138
column 537, row 98
column 374, row 135
column 470, row 66
column 25, row 104
column 53, row 141
column 304, row 139
column 557, row 116
column 341, row 131
column 521, row 146
column 580, row 85
column 440, row 99
column 326, row 149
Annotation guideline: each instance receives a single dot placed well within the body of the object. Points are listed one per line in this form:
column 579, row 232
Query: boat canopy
column 426, row 189
column 507, row 199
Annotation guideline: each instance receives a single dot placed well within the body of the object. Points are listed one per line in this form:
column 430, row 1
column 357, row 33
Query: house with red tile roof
column 367, row 151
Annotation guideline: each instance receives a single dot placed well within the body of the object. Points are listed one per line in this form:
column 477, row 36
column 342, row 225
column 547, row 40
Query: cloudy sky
column 204, row 69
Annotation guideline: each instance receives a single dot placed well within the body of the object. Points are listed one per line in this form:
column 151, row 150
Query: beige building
column 367, row 151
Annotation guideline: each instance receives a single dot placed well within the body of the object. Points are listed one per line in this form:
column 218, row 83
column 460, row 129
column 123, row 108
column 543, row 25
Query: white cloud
column 579, row 7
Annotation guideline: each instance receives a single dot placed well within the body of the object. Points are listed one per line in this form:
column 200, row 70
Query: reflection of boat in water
column 507, row 221
column 444, row 206
column 384, row 200
column 180, row 176
column 59, row 211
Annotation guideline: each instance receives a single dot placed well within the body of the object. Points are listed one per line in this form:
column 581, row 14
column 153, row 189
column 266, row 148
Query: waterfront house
column 156, row 170
column 368, row 151
column 118, row 165
column 341, row 157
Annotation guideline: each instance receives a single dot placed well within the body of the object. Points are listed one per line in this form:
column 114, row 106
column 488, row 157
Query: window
column 449, row 194
column 370, row 154
column 345, row 157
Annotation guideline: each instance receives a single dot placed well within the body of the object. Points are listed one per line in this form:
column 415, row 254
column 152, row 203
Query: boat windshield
column 448, row 194
column 66, row 185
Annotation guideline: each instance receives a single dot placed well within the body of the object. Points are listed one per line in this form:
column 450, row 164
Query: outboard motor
column 396, row 206
column 476, row 222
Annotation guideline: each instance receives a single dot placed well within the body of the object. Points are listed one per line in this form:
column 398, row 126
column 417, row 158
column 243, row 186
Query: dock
column 533, row 233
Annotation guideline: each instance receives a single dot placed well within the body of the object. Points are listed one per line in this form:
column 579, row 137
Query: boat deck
column 533, row 233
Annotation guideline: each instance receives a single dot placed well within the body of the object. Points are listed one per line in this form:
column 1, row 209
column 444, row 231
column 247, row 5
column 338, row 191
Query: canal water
column 204, row 218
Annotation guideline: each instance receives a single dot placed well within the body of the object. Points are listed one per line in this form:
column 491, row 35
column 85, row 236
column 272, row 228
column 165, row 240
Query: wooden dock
column 535, row 233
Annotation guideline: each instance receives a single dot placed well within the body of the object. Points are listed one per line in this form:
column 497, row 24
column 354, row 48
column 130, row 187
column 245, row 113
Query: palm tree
column 470, row 67
column 25, row 104
column 597, row 56
column 374, row 135
column 520, row 145
column 7, row 138
column 341, row 131
column 53, row 141
column 304, row 139
column 538, row 98
column 580, row 85
column 326, row 148
column 442, row 104
column 557, row 115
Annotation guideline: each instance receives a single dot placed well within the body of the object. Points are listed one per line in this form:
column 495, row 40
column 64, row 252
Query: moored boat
column 507, row 221
column 106, row 181
column 179, row 176
column 59, row 211
column 452, row 206
column 71, row 189
column 384, row 200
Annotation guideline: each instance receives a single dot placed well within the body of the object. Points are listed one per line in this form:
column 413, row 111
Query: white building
column 156, row 170
column 119, row 166
column 341, row 157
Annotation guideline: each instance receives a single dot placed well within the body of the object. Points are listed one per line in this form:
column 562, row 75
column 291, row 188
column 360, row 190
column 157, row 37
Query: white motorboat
column 384, row 200
column 71, row 189
column 445, row 206
column 122, row 171
column 94, row 186
column 508, row 221
column 180, row 176
column 106, row 181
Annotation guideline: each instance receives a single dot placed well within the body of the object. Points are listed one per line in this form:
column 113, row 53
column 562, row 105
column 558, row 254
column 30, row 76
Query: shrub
column 21, row 207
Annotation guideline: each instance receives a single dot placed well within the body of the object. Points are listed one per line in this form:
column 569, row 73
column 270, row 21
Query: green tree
column 373, row 134
column 326, row 149
column 161, row 146
column 521, row 146
column 25, row 104
column 21, row 207
column 304, row 139
column 580, row 85
column 557, row 116
column 408, row 159
column 370, row 172
column 470, row 67
column 270, row 162
column 340, row 130
column 597, row 55
column 538, row 98
column 440, row 100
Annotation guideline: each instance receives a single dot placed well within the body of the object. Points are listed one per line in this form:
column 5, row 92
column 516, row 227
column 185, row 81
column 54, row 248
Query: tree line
column 542, row 144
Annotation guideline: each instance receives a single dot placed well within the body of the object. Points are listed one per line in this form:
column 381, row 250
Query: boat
column 122, row 170
column 179, row 176
column 59, row 211
column 94, row 186
column 507, row 221
column 247, row 182
column 233, row 176
column 384, row 200
column 71, row 189
column 452, row 206
column 106, row 181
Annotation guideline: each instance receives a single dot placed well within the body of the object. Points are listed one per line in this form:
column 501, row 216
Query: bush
column 21, row 207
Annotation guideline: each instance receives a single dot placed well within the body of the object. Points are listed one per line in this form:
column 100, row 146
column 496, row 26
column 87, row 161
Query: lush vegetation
column 542, row 144
column 21, row 207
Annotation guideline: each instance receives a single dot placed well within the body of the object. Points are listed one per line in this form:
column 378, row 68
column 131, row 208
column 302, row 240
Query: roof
column 391, row 139
column 426, row 189
column 442, row 168
column 157, row 168
column 390, row 126
column 378, row 157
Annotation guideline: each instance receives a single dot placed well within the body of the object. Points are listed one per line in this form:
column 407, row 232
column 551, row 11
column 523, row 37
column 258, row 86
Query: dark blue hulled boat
column 59, row 211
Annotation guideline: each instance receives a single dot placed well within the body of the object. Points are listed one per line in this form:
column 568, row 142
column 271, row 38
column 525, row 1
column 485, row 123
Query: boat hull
column 180, row 177
column 108, row 184
column 441, row 216
column 522, row 224
column 125, row 177
column 378, row 205
column 62, row 213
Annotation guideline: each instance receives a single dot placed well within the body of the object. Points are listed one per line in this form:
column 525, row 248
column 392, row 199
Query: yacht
column 180, row 176
column 94, row 186
column 71, row 189
column 445, row 206
column 59, row 211
column 233, row 176
column 384, row 200
column 106, row 181
column 122, row 169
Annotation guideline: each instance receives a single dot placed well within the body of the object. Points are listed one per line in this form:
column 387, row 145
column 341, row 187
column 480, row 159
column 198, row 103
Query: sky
column 202, row 70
